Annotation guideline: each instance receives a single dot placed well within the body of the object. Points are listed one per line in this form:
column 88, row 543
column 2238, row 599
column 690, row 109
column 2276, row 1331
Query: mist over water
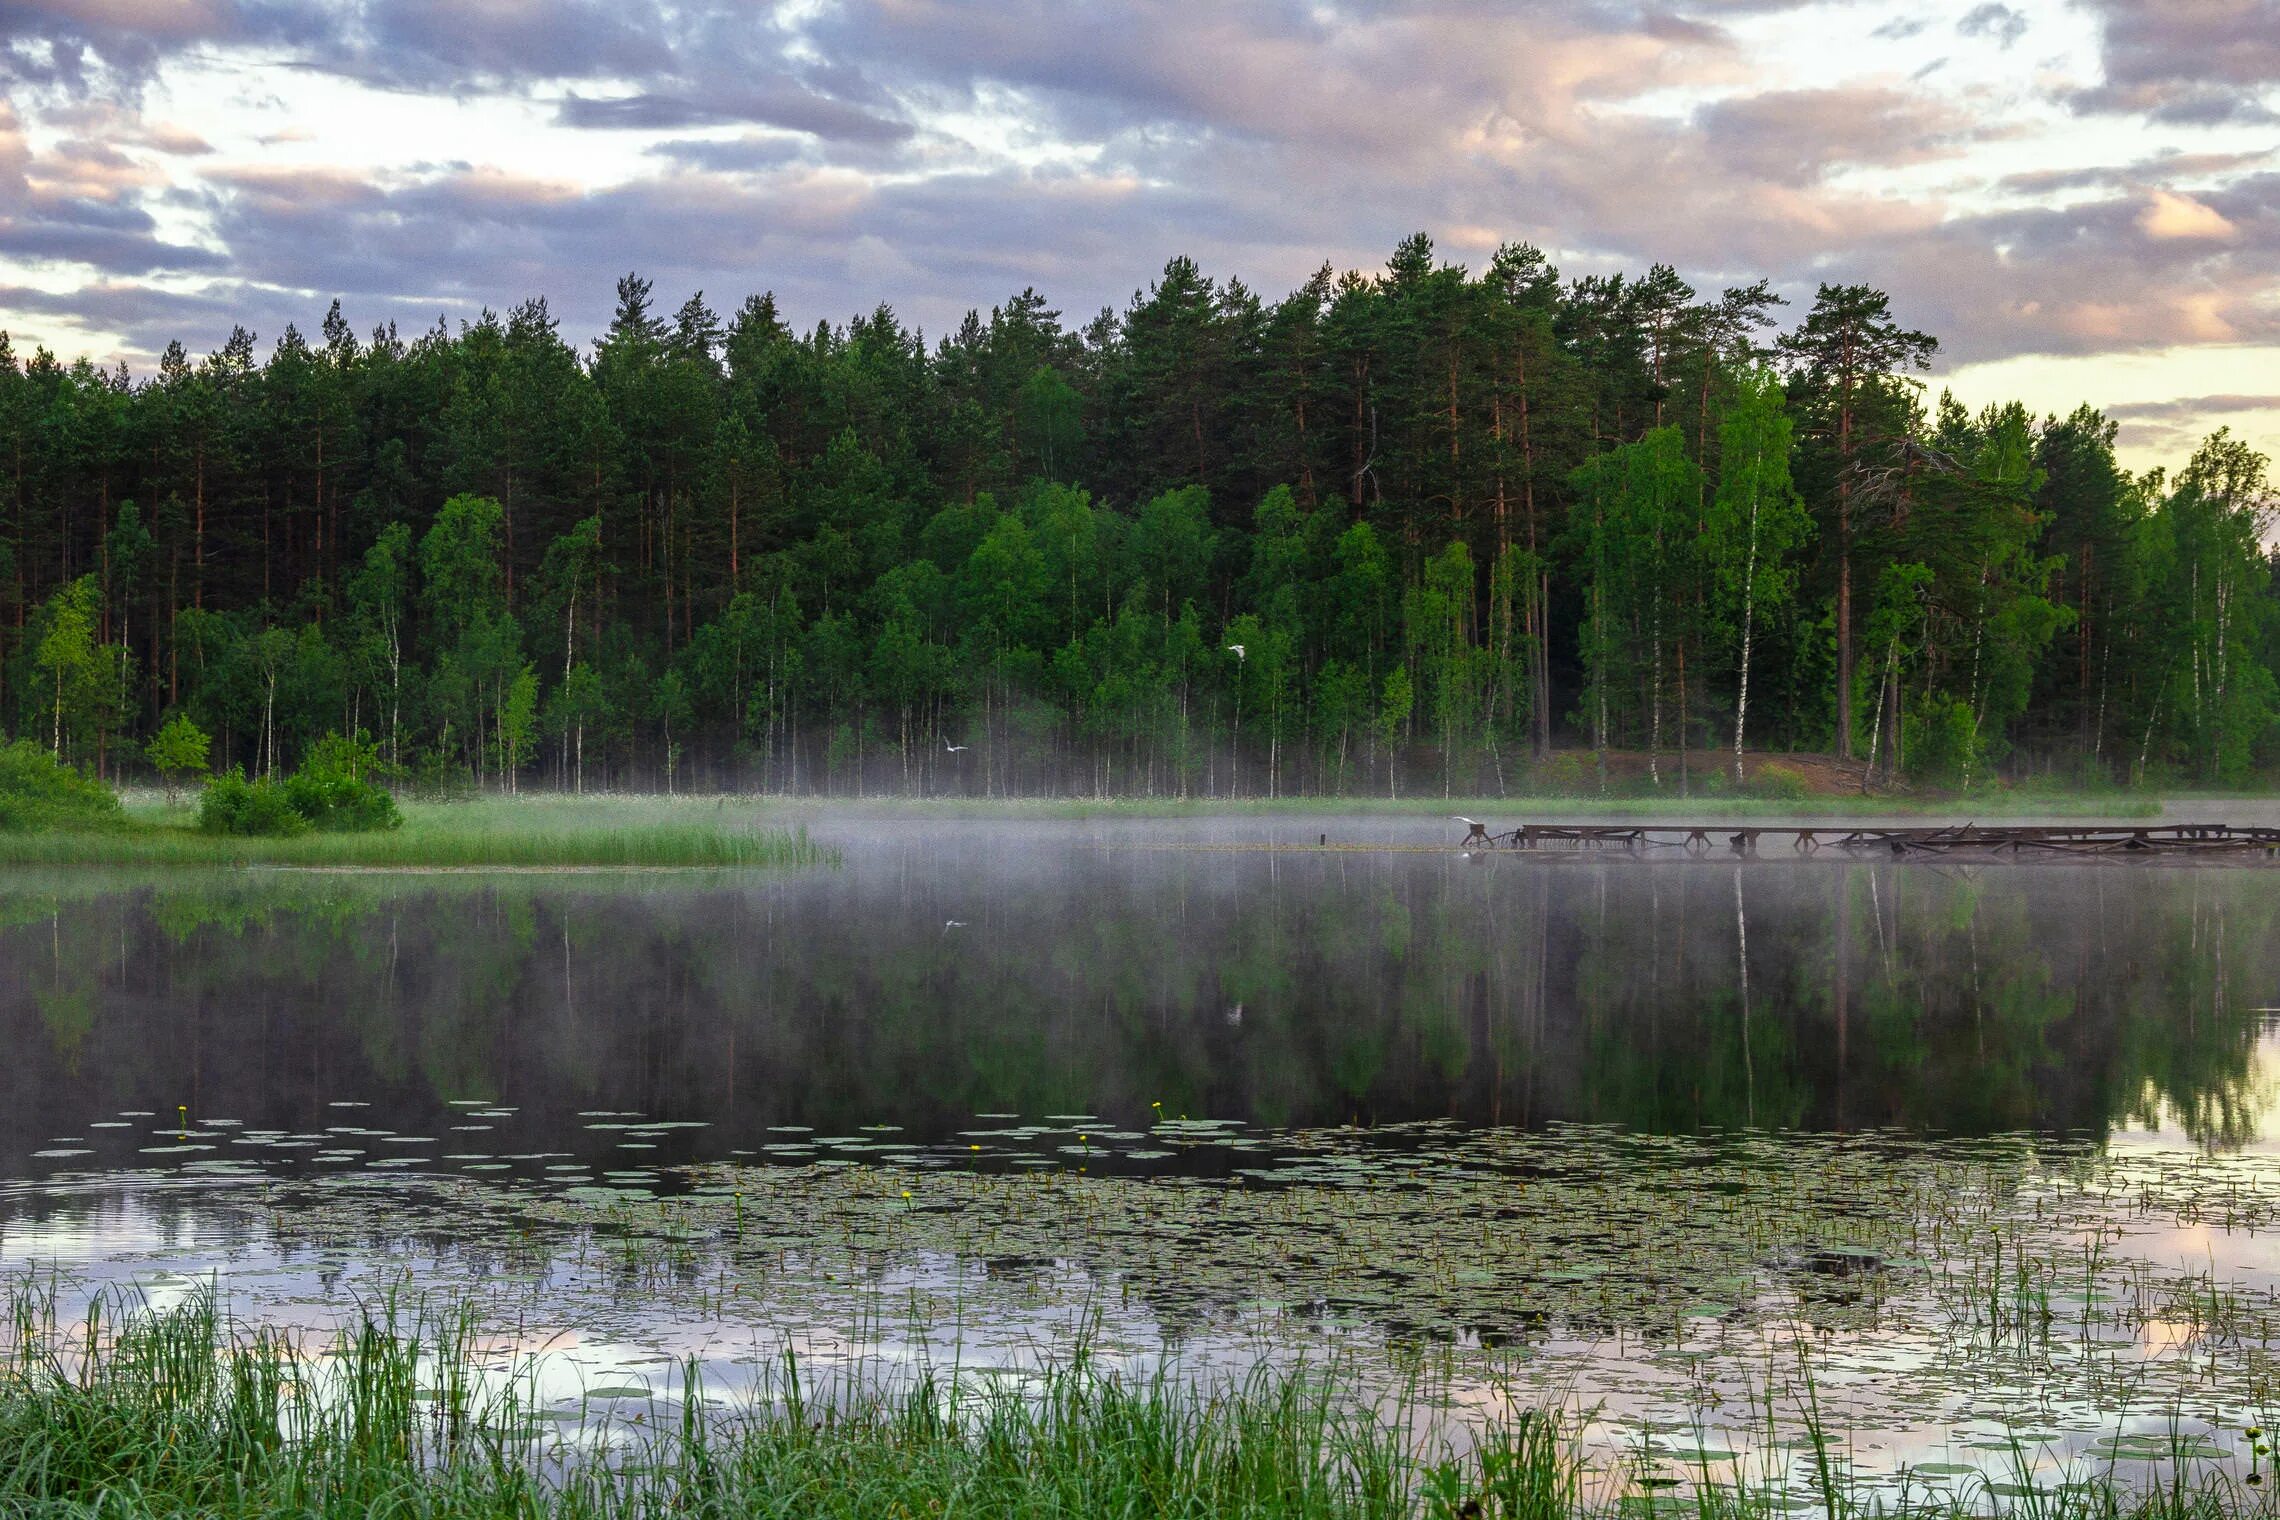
column 952, row 969
column 1214, row 1099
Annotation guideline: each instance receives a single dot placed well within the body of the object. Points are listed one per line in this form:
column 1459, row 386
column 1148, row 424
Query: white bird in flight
column 1473, row 823
column 955, row 749
column 1238, row 650
column 952, row 923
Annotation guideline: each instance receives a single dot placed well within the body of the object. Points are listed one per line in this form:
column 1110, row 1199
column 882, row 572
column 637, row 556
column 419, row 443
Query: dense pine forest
column 1470, row 531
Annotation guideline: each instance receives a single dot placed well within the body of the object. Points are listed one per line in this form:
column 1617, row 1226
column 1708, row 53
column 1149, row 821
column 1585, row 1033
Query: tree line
column 1471, row 530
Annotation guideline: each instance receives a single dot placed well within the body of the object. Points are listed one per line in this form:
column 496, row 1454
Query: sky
column 2080, row 198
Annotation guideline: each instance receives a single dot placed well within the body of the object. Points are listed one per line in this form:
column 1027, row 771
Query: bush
column 332, row 792
column 1778, row 783
column 1561, row 775
column 328, row 794
column 38, row 793
column 230, row 804
column 341, row 804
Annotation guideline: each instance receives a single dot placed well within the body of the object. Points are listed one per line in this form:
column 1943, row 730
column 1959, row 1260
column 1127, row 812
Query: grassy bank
column 185, row 1413
column 492, row 833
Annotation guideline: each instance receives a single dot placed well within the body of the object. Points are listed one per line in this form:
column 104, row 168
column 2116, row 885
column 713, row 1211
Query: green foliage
column 1942, row 740
column 727, row 555
column 260, row 808
column 331, row 793
column 81, row 679
column 1775, row 782
column 180, row 748
column 37, row 792
column 339, row 804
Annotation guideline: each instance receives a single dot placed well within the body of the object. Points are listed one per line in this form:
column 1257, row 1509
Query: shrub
column 1778, row 783
column 338, row 804
column 38, row 793
column 230, row 804
column 329, row 794
column 1562, row 775
column 333, row 789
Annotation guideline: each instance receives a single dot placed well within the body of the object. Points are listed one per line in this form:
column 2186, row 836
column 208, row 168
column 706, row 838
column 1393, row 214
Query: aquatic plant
column 188, row 1412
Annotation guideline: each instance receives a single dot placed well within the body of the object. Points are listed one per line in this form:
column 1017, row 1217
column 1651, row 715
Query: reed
column 186, row 1412
column 479, row 835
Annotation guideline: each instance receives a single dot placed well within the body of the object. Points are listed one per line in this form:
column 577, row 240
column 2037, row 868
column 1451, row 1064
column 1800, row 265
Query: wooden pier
column 1969, row 840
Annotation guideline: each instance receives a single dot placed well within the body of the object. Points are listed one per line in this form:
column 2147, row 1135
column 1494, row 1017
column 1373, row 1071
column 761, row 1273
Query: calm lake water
column 1657, row 1139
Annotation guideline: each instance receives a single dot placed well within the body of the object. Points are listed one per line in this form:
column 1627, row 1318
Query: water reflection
column 943, row 977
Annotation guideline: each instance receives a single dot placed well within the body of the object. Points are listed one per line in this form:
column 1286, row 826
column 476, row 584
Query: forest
column 1433, row 529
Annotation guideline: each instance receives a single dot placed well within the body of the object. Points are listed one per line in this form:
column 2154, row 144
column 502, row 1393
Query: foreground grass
column 488, row 834
column 182, row 1413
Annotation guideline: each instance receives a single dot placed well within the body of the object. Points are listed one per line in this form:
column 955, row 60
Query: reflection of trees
column 1370, row 988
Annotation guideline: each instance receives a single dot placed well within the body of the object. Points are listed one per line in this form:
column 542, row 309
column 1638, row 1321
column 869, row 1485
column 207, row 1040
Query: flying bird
column 1238, row 650
column 955, row 749
column 952, row 923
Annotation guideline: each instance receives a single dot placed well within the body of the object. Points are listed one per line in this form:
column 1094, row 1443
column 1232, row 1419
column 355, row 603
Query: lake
column 1955, row 1155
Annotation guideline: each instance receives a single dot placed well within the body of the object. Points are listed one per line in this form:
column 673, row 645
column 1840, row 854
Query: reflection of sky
column 2258, row 1098
column 585, row 1337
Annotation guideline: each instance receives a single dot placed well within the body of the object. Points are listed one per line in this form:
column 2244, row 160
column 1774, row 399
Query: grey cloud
column 1384, row 84
column 115, row 47
column 425, row 42
column 2191, row 407
column 740, row 155
column 1899, row 28
column 660, row 112
column 2083, row 279
column 794, row 109
column 1794, row 137
column 1994, row 21
column 59, row 208
column 2206, row 62
column 2165, row 168
column 110, row 249
column 148, row 318
column 720, row 61
column 1276, row 136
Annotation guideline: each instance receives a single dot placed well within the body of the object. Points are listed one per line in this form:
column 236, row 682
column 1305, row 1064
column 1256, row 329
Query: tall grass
column 445, row 836
column 184, row 1412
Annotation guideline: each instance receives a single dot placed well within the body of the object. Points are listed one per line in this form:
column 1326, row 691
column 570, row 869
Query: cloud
column 1999, row 23
column 74, row 205
column 792, row 108
column 2172, row 167
column 940, row 155
column 2187, row 61
column 738, row 155
column 2176, row 424
column 2088, row 278
column 2192, row 407
column 2169, row 215
column 1796, row 137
